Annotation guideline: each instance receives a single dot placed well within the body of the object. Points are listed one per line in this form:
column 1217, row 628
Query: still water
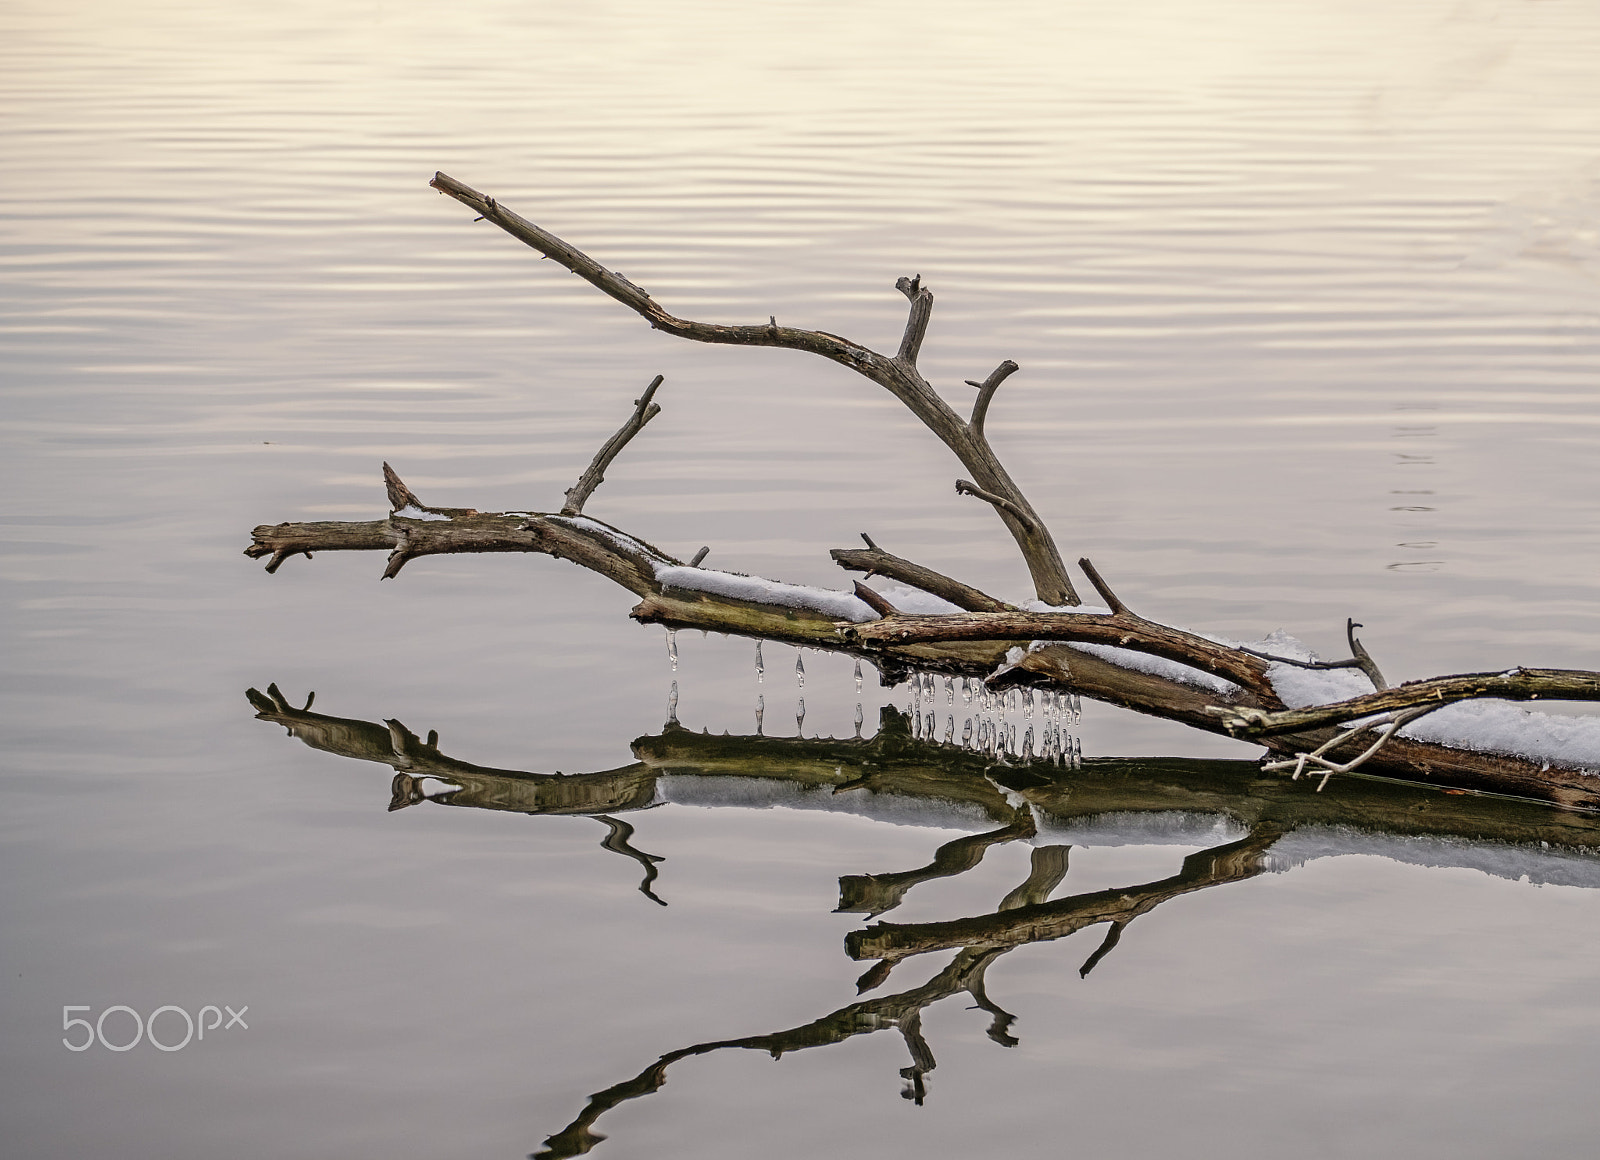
column 1305, row 298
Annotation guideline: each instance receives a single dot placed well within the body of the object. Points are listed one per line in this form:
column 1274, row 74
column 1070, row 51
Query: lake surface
column 1305, row 300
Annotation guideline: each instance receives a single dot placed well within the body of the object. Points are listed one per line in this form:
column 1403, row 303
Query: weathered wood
column 643, row 411
column 874, row 561
column 898, row 375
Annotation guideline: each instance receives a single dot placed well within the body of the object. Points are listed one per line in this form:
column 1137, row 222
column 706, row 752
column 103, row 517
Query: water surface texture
column 1305, row 300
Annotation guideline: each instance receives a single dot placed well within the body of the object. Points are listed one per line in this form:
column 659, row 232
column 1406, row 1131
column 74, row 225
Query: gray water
column 1304, row 295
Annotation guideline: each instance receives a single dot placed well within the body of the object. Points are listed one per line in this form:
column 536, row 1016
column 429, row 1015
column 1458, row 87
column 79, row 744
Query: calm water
column 1305, row 297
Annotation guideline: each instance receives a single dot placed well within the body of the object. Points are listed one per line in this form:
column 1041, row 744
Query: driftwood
column 1523, row 838
column 987, row 638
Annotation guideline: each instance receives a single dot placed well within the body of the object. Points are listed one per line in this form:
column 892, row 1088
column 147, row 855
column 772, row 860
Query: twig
column 967, row 487
column 1104, row 589
column 917, row 322
column 875, row 600
column 1386, row 730
column 986, row 390
column 876, row 562
column 1362, row 657
column 643, row 411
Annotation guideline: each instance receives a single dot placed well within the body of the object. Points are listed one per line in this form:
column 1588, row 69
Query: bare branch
column 1362, row 657
column 897, row 375
column 874, row 561
column 967, row 487
column 1100, row 586
column 1121, row 630
column 643, row 411
column 874, row 600
column 1512, row 685
column 699, row 556
column 1385, row 729
column 986, row 390
column 917, row 322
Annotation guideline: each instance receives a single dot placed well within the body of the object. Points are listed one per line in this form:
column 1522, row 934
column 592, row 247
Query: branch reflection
column 1245, row 822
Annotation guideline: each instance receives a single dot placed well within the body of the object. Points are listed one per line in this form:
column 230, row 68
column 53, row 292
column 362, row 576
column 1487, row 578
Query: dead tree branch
column 643, row 411
column 874, row 561
column 897, row 374
column 1222, row 688
column 986, row 390
column 1512, row 685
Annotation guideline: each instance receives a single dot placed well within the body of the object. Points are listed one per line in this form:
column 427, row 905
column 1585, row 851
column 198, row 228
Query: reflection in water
column 1245, row 822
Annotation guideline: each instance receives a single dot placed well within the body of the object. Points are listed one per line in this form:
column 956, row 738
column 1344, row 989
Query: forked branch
column 897, row 374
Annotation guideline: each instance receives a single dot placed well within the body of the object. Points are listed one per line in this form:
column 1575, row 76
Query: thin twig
column 875, row 600
column 1104, row 589
column 967, row 487
column 1362, row 657
column 876, row 562
column 986, row 390
column 643, row 411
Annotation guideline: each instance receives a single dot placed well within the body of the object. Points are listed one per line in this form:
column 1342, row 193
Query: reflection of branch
column 900, row 1011
column 617, row 842
column 1233, row 862
column 875, row 894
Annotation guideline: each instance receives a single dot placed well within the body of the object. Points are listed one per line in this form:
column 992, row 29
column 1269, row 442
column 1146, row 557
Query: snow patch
column 620, row 539
column 828, row 602
column 915, row 601
column 1488, row 726
column 413, row 512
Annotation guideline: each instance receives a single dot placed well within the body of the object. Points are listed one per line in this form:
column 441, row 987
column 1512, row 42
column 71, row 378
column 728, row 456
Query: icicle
column 1077, row 709
column 949, row 730
column 1027, row 744
column 916, row 691
column 932, row 725
column 966, row 732
column 1027, row 704
column 859, row 718
column 799, row 716
column 858, row 676
column 761, row 711
column 761, row 669
column 966, row 690
column 672, row 647
column 672, row 705
column 949, row 691
column 800, row 670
